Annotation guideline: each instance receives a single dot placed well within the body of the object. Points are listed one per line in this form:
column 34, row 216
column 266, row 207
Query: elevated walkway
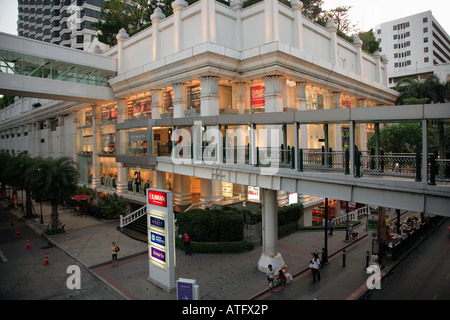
column 30, row 68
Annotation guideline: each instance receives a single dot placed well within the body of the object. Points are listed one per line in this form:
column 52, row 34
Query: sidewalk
column 219, row 276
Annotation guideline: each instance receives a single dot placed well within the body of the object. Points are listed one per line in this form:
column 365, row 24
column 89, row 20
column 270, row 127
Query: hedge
column 212, row 225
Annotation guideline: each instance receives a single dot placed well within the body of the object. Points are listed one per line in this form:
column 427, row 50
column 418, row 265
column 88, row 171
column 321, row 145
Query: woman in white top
column 315, row 267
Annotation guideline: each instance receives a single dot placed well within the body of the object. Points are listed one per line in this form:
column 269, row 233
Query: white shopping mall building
column 213, row 103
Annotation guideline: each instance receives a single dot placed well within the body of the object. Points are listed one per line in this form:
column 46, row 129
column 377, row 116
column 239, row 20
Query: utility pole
column 325, row 249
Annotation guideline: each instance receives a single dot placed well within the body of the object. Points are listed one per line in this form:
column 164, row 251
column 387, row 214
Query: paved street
column 424, row 274
column 23, row 275
column 220, row 276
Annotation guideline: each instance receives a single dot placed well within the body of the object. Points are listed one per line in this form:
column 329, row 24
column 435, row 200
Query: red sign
column 157, row 198
column 257, row 96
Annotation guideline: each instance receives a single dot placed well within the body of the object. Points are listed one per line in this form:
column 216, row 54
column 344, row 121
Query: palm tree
column 429, row 91
column 53, row 180
column 4, row 160
column 16, row 170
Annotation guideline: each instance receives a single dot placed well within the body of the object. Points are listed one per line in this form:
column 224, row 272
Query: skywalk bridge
column 31, row 68
column 405, row 181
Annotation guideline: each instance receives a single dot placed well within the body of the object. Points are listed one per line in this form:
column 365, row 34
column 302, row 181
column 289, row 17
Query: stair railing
column 129, row 218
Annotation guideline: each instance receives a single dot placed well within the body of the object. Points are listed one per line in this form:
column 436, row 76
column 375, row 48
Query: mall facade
column 212, row 82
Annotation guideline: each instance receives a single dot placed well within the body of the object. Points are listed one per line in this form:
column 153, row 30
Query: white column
column 273, row 93
column 122, row 111
column 95, row 169
column 297, row 32
column 208, row 14
column 62, row 136
column 270, row 254
column 209, row 96
column 178, row 6
column 121, row 179
column 157, row 103
column 210, row 190
column 358, row 45
column 121, row 37
column 156, row 17
column 181, row 190
column 237, row 6
column 158, row 179
column 178, row 99
column 331, row 26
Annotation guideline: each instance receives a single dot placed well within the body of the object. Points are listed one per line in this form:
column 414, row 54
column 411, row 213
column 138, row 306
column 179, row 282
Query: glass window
column 194, row 98
column 108, row 139
column 133, row 142
column 108, row 172
column 140, row 108
column 85, row 143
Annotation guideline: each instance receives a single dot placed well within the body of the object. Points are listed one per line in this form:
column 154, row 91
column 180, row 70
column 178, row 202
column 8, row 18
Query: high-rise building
column 63, row 22
column 416, row 46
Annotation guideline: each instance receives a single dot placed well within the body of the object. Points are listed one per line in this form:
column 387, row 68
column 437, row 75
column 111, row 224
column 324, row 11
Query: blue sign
column 158, row 254
column 185, row 291
column 156, row 222
column 158, row 239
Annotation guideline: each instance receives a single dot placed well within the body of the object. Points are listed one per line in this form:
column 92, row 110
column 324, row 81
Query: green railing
column 27, row 65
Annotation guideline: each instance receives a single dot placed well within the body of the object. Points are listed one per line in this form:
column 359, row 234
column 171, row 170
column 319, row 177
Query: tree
column 403, row 138
column 4, row 160
column 429, row 91
column 16, row 173
column 370, row 43
column 132, row 16
column 312, row 9
column 342, row 20
column 53, row 180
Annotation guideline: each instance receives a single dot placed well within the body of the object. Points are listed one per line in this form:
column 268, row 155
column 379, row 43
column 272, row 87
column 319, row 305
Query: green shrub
column 112, row 206
column 216, row 225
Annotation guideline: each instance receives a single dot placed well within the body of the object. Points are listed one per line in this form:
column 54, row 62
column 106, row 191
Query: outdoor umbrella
column 81, row 197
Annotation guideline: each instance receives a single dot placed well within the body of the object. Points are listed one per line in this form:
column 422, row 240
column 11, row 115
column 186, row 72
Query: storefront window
column 108, row 172
column 138, row 181
column 108, row 139
column 85, row 141
column 133, row 142
column 85, row 169
column 318, row 213
column 167, row 104
column 315, row 101
column 140, row 108
column 161, row 141
column 193, row 98
column 225, row 100
column 108, row 113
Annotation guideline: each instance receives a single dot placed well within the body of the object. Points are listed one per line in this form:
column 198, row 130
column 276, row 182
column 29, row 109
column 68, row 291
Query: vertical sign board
column 187, row 289
column 161, row 239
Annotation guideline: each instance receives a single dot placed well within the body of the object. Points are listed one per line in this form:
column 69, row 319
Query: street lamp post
column 325, row 249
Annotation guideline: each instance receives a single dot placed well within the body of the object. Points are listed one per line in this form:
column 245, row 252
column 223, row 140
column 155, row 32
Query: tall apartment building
column 63, row 22
column 416, row 46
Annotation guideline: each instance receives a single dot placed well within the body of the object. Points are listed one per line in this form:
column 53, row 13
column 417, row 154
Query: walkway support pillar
column 270, row 254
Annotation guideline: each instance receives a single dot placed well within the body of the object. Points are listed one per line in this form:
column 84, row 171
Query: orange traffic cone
column 17, row 233
column 28, row 244
column 46, row 263
column 12, row 222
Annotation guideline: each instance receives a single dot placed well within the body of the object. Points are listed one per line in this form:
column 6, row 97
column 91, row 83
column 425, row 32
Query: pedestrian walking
column 352, row 232
column 315, row 267
column 187, row 244
column 331, row 226
column 270, row 275
column 115, row 249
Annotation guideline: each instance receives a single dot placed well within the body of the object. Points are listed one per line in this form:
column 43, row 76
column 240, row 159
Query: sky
column 366, row 14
